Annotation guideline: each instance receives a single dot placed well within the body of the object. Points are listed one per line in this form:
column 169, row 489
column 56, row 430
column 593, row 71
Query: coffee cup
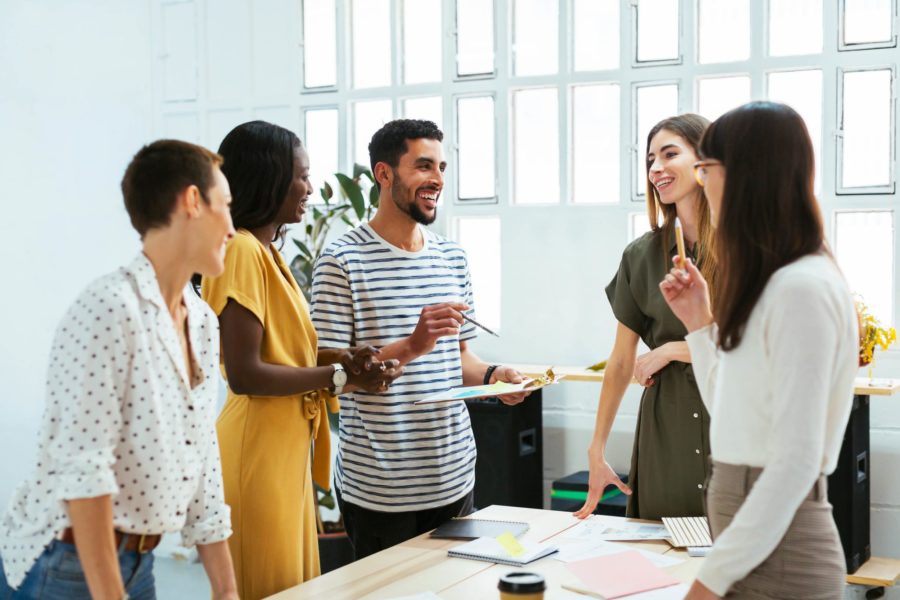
column 521, row 585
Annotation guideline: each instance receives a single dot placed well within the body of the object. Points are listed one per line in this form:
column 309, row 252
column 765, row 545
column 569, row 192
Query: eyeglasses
column 700, row 168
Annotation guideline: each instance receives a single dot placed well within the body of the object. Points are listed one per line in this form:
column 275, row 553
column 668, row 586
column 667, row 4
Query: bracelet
column 488, row 373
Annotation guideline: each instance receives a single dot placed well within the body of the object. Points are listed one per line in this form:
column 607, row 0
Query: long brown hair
column 769, row 216
column 690, row 128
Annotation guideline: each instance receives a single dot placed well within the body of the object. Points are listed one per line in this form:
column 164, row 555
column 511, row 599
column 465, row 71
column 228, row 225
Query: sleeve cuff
column 89, row 480
column 216, row 527
column 715, row 582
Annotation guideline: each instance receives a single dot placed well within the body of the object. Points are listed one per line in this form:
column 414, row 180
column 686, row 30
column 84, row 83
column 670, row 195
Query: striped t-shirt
column 395, row 456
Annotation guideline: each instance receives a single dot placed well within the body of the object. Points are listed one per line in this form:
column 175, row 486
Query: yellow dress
column 266, row 442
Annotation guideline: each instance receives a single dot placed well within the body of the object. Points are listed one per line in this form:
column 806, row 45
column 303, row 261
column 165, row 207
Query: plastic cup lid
column 521, row 582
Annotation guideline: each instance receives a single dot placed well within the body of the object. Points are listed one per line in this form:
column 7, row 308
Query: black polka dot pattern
column 123, row 417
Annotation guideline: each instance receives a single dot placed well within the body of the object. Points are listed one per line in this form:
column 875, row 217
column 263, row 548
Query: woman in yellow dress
column 273, row 430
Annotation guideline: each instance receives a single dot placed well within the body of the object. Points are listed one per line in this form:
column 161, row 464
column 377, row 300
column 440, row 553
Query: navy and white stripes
column 395, row 456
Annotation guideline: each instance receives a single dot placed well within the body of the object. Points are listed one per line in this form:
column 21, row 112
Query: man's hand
column 508, row 375
column 436, row 321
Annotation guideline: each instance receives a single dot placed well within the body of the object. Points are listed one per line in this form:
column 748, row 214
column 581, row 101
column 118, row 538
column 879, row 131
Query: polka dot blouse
column 123, row 417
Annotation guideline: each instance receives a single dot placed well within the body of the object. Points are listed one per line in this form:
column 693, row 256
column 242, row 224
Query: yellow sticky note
column 510, row 544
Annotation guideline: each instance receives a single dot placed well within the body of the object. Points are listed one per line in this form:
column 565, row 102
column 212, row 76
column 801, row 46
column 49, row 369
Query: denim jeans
column 57, row 574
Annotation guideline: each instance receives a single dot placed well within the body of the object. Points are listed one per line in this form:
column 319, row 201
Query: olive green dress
column 671, row 441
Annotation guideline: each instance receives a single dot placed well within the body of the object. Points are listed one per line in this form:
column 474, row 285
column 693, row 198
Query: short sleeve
column 621, row 297
column 243, row 280
column 332, row 303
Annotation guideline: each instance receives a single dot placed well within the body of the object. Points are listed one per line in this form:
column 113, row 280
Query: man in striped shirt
column 403, row 469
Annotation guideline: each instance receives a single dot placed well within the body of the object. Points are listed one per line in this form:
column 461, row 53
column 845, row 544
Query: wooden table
column 421, row 564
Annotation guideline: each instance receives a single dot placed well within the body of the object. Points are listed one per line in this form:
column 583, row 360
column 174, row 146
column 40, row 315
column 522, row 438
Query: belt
column 133, row 542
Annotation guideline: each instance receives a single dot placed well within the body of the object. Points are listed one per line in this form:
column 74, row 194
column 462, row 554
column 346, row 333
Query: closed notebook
column 490, row 550
column 471, row 529
column 616, row 575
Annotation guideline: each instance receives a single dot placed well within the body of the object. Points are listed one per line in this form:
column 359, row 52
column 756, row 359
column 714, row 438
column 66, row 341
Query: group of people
column 752, row 354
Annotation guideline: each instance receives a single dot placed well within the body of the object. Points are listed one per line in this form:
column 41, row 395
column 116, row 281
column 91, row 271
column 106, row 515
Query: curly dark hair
column 389, row 143
column 259, row 166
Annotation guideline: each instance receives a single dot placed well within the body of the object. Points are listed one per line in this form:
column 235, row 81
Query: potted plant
column 871, row 335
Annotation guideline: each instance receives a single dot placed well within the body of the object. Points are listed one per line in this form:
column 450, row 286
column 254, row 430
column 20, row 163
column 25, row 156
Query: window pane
column 866, row 125
column 718, row 95
column 322, row 144
column 421, row 41
column 536, row 146
column 475, row 133
column 480, row 237
column 596, row 25
column 795, row 27
column 867, row 21
column 430, row 108
column 724, row 31
column 368, row 117
column 657, row 30
column 865, row 252
column 654, row 103
column 474, row 37
column 536, row 49
column 802, row 91
column 638, row 225
column 371, row 44
column 319, row 47
column 595, row 143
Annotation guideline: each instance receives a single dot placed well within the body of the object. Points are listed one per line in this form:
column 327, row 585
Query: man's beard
column 399, row 190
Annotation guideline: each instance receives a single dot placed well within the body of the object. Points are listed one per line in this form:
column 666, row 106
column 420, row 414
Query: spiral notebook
column 470, row 529
column 490, row 550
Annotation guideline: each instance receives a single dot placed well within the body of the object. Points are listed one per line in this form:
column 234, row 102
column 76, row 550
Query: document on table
column 597, row 528
column 422, row 596
column 575, row 551
column 617, row 575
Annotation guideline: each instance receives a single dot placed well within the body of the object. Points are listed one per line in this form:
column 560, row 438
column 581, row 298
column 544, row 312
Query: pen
column 679, row 239
column 477, row 324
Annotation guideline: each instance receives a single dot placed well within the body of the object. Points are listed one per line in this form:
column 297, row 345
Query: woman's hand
column 377, row 376
column 358, row 359
column 699, row 591
column 687, row 294
column 649, row 364
column 601, row 476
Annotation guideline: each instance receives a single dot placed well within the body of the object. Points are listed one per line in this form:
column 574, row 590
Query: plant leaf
column 326, row 192
column 354, row 194
column 304, row 250
column 373, row 197
column 359, row 170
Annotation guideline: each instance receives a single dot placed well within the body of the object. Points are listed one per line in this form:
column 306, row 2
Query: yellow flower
column 871, row 333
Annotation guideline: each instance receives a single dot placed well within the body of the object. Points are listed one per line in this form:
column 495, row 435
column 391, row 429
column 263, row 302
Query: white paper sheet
column 582, row 550
column 598, row 529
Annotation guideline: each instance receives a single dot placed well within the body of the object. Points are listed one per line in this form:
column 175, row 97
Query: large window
column 546, row 104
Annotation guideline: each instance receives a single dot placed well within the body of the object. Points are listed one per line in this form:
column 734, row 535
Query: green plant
column 356, row 202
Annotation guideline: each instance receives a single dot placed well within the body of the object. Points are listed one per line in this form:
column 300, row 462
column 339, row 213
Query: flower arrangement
column 871, row 334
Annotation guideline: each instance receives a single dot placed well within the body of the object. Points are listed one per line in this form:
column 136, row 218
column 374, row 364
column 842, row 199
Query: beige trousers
column 807, row 564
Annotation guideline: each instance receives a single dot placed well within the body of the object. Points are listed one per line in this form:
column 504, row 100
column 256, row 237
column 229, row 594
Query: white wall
column 81, row 85
column 74, row 107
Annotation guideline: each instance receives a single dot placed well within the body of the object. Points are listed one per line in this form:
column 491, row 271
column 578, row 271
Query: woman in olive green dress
column 671, row 441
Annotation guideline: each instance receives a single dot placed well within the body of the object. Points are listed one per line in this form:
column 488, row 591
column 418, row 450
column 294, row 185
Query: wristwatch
column 338, row 379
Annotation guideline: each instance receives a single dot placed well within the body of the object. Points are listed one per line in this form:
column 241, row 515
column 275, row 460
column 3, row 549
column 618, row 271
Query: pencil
column 679, row 239
column 477, row 324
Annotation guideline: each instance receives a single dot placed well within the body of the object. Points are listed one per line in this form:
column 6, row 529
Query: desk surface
column 862, row 385
column 421, row 564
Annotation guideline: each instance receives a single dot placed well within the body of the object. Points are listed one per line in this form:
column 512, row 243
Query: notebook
column 688, row 531
column 490, row 550
column 470, row 529
column 616, row 575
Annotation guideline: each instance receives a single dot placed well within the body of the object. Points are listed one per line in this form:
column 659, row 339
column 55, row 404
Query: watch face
column 339, row 378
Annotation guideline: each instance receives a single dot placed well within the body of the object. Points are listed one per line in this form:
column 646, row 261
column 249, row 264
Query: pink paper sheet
column 620, row 574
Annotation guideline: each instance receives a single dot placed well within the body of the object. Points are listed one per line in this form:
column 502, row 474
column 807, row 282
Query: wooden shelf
column 862, row 385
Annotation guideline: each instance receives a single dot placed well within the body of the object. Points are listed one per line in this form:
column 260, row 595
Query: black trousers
column 371, row 531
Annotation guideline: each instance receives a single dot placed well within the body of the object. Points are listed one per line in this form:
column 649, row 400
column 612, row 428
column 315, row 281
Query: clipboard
column 498, row 388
